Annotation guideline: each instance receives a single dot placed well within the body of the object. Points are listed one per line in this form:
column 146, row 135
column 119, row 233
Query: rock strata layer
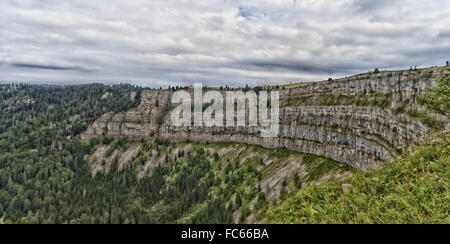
column 364, row 137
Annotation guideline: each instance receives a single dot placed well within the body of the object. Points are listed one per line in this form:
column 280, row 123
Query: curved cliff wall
column 352, row 120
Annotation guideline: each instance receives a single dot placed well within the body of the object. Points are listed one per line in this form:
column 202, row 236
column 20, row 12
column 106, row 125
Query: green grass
column 296, row 85
column 438, row 98
column 413, row 189
column 426, row 119
column 382, row 100
column 402, row 107
column 320, row 166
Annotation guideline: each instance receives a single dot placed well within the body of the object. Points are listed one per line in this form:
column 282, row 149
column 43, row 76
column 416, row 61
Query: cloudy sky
column 233, row 42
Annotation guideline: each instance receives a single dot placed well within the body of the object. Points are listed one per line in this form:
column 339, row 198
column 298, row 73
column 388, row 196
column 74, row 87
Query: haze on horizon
column 217, row 42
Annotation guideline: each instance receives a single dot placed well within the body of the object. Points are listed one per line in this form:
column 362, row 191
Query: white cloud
column 162, row 42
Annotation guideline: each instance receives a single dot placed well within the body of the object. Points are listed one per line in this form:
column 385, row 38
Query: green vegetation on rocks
column 382, row 100
column 413, row 189
column 438, row 97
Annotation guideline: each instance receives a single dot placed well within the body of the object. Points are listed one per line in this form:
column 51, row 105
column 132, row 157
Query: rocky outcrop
column 403, row 84
column 362, row 136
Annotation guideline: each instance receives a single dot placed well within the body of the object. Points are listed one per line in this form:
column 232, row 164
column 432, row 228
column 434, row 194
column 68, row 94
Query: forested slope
column 40, row 164
column 46, row 170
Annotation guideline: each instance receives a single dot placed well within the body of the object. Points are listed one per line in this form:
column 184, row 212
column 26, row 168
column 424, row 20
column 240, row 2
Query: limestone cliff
column 356, row 120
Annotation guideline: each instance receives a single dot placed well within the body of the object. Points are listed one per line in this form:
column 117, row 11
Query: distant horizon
column 216, row 86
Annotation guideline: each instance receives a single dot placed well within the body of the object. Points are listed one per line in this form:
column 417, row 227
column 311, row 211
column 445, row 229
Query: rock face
column 363, row 136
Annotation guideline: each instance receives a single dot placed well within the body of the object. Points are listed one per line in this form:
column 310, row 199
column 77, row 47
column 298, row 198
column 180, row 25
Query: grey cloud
column 430, row 52
column 444, row 34
column 47, row 67
column 371, row 5
column 159, row 42
column 300, row 66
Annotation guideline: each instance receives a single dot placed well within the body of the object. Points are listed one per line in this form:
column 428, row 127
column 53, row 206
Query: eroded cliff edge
column 358, row 120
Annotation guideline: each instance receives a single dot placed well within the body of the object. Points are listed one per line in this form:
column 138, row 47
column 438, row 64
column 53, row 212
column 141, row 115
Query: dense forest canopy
column 42, row 170
column 45, row 178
